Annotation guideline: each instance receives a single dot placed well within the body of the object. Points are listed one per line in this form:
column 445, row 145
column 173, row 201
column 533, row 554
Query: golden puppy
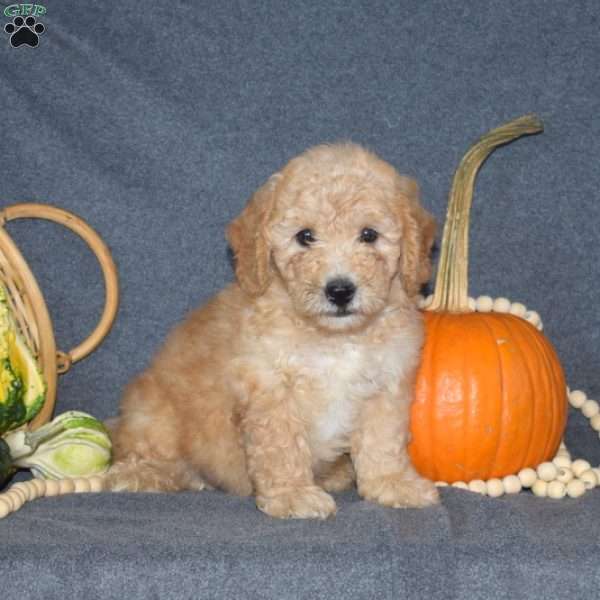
column 297, row 379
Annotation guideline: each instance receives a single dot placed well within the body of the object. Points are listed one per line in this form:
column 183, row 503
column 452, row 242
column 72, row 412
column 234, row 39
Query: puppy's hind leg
column 145, row 444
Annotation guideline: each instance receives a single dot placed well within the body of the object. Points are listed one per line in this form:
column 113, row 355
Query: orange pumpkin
column 490, row 398
column 491, row 393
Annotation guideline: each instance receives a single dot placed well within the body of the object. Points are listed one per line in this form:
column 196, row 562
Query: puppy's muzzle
column 340, row 292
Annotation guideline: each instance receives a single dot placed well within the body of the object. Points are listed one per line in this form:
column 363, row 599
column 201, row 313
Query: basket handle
column 30, row 210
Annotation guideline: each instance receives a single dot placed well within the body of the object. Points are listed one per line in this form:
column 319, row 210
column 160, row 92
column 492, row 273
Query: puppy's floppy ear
column 419, row 228
column 248, row 236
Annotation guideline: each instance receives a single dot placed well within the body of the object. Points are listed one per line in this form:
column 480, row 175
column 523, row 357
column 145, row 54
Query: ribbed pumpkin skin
column 490, row 398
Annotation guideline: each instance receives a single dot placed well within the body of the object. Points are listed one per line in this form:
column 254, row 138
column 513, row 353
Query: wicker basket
column 27, row 302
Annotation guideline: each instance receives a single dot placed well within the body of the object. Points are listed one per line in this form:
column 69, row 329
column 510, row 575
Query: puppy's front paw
column 308, row 502
column 399, row 492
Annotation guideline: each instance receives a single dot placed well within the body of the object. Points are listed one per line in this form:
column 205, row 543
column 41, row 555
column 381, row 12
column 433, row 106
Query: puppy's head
column 341, row 229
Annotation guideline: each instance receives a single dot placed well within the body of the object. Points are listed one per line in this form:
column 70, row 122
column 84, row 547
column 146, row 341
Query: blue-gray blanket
column 156, row 121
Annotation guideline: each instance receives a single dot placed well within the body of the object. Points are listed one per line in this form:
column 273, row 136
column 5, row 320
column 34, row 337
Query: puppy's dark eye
column 368, row 235
column 305, row 237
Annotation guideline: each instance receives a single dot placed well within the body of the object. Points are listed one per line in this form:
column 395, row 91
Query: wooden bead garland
column 562, row 477
column 26, row 491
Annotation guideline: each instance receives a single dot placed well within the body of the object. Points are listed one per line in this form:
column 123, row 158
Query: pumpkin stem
column 451, row 286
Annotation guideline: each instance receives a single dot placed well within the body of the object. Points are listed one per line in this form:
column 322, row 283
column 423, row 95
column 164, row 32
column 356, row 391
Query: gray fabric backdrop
column 156, row 121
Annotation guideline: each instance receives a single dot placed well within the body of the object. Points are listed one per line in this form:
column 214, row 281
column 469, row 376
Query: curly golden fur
column 283, row 386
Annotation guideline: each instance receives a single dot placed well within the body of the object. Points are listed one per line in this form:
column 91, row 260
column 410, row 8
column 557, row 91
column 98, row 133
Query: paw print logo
column 24, row 31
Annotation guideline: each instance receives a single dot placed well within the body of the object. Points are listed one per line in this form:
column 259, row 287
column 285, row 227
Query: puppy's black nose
column 340, row 291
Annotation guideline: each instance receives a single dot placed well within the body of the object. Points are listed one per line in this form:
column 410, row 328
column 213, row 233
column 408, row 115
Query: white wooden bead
column 18, row 491
column 8, row 501
column 478, row 486
column 590, row 408
column 32, row 489
column 5, row 508
column 527, row 477
column 595, row 422
column 564, row 475
column 33, row 493
column 441, row 484
column 6, row 497
column 18, row 488
column 556, row 490
column 484, row 304
column 24, row 489
column 575, row 488
column 52, row 487
column 512, row 484
column 518, row 309
column 589, row 479
column 577, row 398
column 472, row 304
column 495, row 488
column 547, row 471
column 562, row 461
column 16, row 498
column 66, row 486
column 563, row 454
column 540, row 488
column 579, row 466
column 597, row 471
column 461, row 485
column 501, row 305
column 96, row 483
column 534, row 318
column 40, row 486
column 82, row 485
